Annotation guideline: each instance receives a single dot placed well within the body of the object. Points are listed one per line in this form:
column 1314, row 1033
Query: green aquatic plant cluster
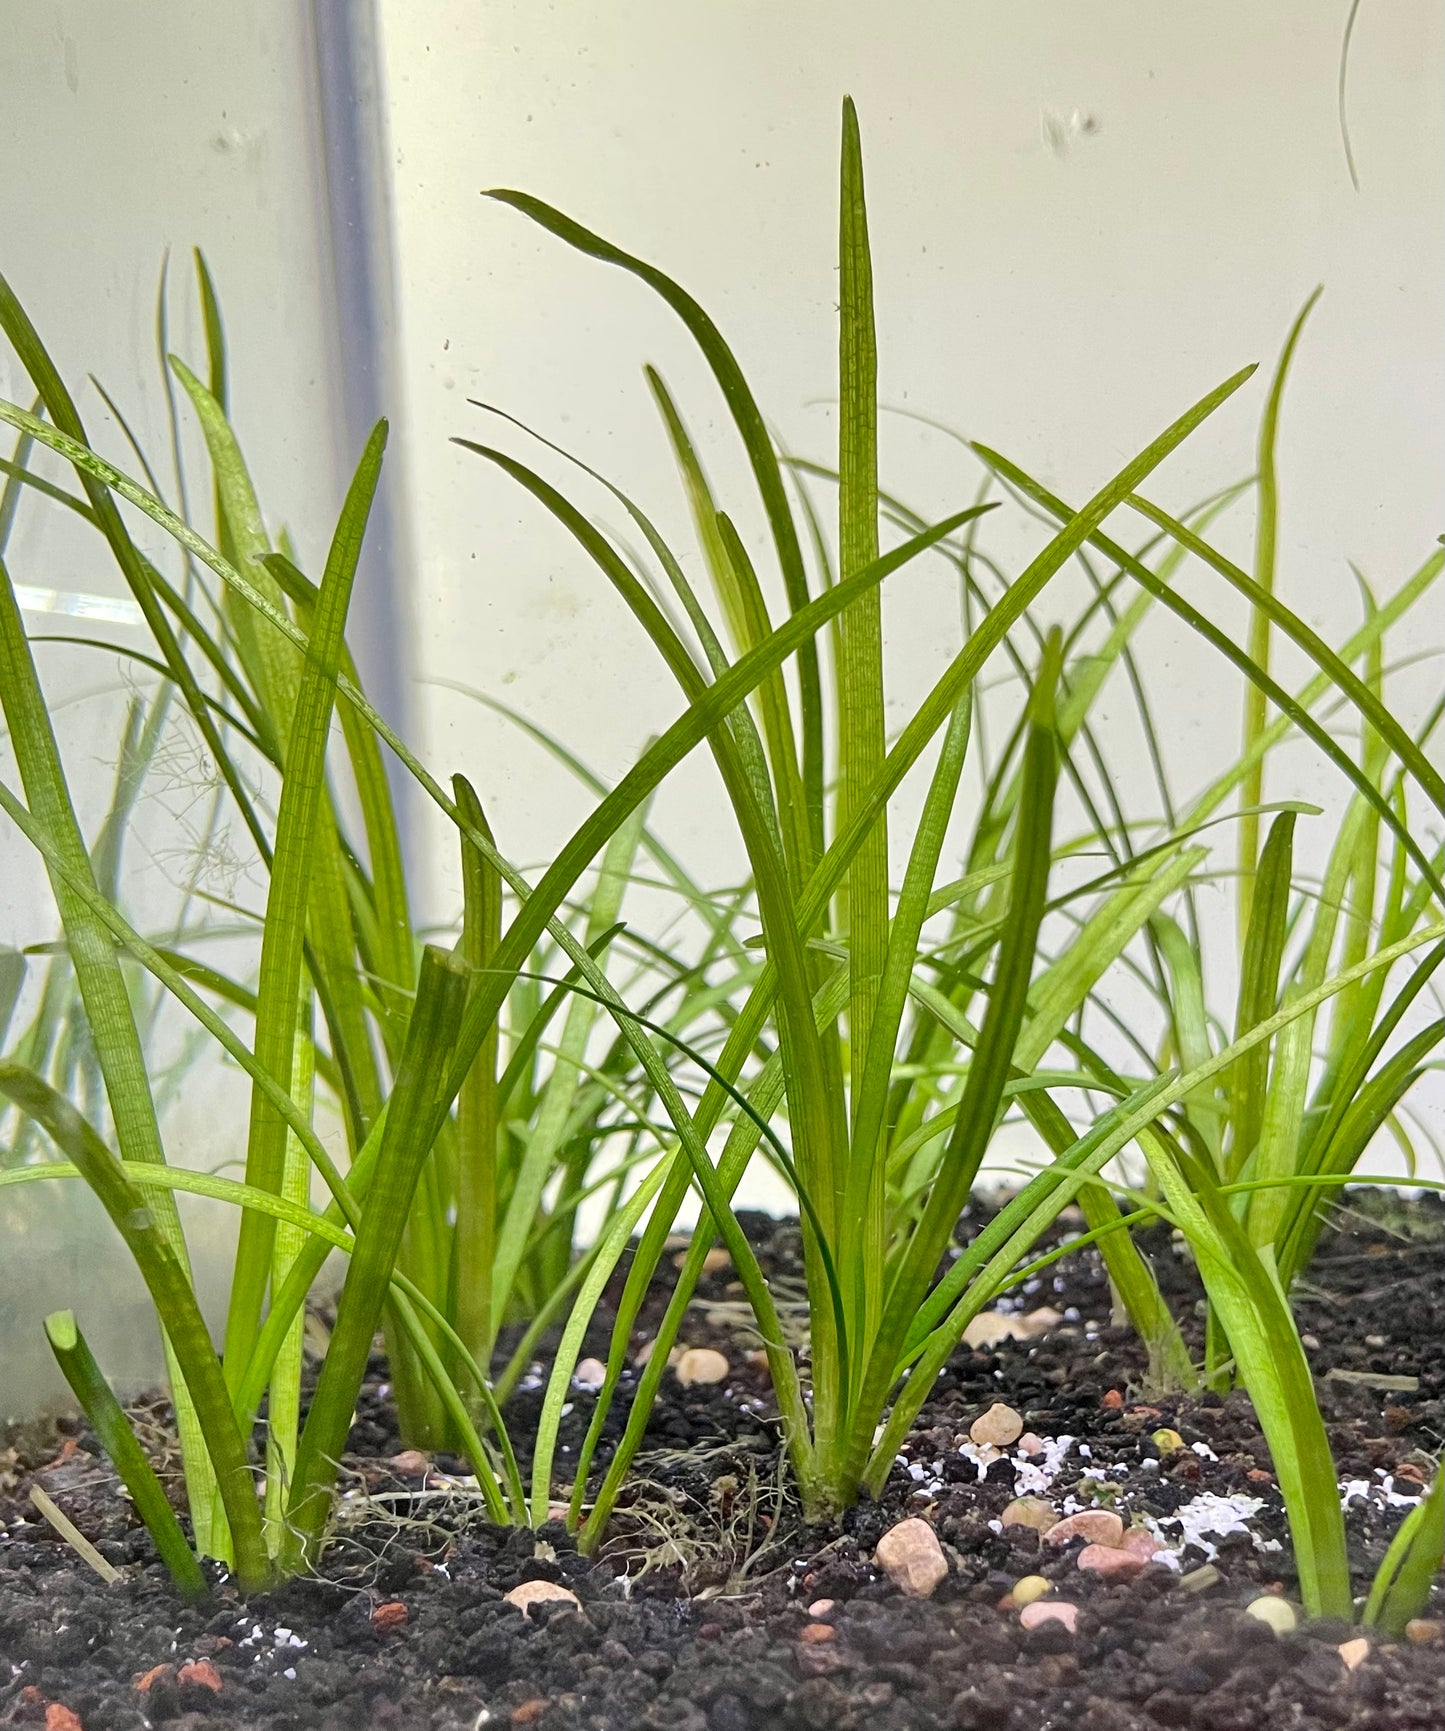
column 867, row 1038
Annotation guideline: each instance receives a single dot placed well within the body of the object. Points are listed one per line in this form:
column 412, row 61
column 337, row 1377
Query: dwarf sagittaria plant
column 471, row 1188
column 882, row 1155
column 1331, row 1022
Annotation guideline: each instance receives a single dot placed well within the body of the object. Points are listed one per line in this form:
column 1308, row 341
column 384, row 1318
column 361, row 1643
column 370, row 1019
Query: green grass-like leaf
column 119, row 1441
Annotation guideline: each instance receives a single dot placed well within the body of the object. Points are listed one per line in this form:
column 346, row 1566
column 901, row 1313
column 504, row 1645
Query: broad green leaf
column 301, row 811
column 1259, row 986
column 861, row 744
column 474, row 1249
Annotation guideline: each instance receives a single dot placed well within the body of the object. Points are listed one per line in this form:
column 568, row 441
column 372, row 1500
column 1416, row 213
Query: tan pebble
column 591, row 1373
column 528, row 1711
column 1112, row 1399
column 59, row 1717
column 1094, row 1526
column 1354, row 1653
column 1425, row 1631
column 716, row 1260
column 1044, row 1611
column 1039, row 1321
column 147, row 1679
column 1029, row 1444
column 1141, row 1542
column 202, row 1672
column 643, row 1353
column 912, row 1558
column 1200, row 1580
column 822, row 1607
column 1274, row 1612
column 701, row 1364
column 1031, row 1512
column 1113, row 1564
column 531, row 1593
column 392, row 1615
column 1168, row 1442
column 997, row 1428
column 989, row 1327
column 814, row 1633
column 410, row 1463
column 1030, row 1588
column 757, row 1360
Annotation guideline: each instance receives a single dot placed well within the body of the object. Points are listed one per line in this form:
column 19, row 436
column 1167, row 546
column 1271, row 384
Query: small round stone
column 1354, row 1653
column 1425, row 1631
column 1141, row 1542
column 1043, row 1611
column 1030, row 1588
column 1094, row 1526
column 200, row 1672
column 1111, row 1563
column 1032, row 1512
column 531, row 1593
column 912, row 1558
column 989, row 1327
column 701, row 1364
column 996, row 1428
column 590, row 1375
column 1276, row 1613
column 822, row 1607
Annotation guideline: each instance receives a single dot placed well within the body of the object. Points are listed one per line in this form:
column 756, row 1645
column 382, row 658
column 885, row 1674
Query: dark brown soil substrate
column 696, row 1615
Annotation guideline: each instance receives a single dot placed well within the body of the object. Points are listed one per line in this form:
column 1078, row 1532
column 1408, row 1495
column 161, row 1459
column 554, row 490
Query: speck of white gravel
column 1035, row 1476
column 1209, row 1513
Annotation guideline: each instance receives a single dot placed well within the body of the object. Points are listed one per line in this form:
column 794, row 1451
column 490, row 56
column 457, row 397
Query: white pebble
column 1278, row 1614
